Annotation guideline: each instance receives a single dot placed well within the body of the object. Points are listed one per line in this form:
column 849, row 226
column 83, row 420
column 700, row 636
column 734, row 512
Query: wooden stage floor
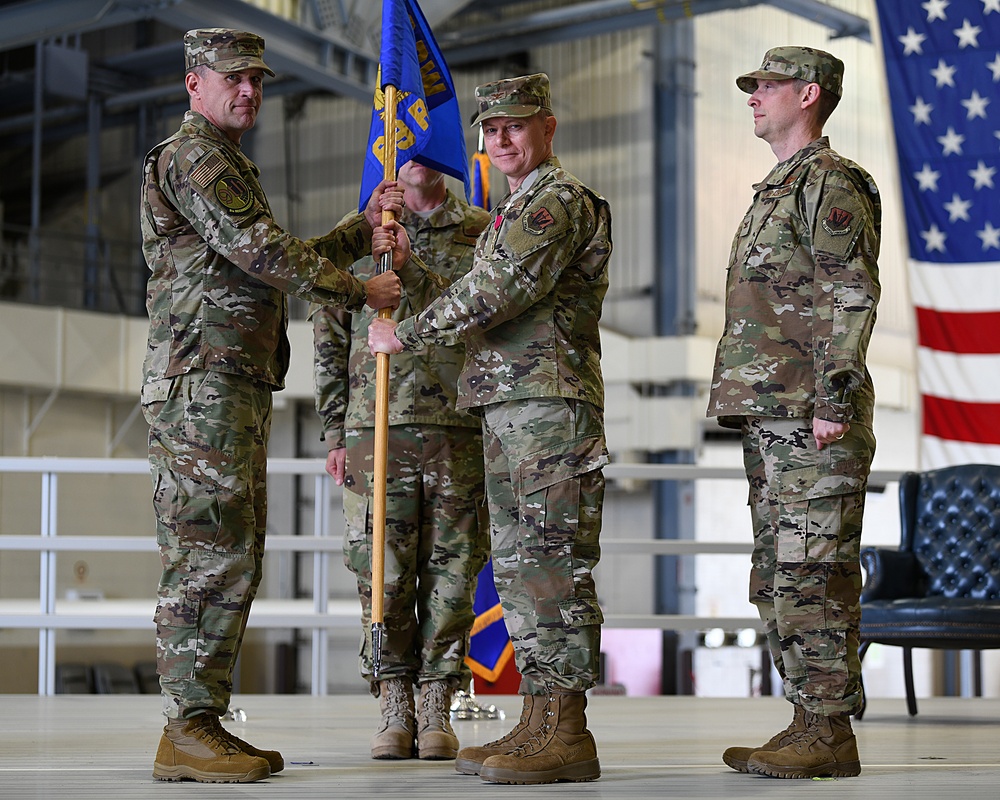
column 90, row 747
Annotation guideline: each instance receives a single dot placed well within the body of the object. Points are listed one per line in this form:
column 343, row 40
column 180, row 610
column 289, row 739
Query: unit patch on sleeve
column 234, row 194
column 838, row 222
column 537, row 221
column 842, row 219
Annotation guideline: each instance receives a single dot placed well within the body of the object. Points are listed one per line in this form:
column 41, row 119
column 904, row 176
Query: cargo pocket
column 814, row 503
column 550, row 500
column 357, row 547
column 580, row 612
column 200, row 496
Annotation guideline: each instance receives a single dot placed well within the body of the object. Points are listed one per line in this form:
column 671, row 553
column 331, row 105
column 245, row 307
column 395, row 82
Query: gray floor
column 75, row 746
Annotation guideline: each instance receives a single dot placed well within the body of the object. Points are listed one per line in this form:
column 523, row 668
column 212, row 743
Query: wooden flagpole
column 382, row 413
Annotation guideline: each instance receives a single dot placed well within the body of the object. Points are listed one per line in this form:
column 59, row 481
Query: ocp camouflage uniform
column 528, row 313
column 436, row 532
column 801, row 294
column 220, row 269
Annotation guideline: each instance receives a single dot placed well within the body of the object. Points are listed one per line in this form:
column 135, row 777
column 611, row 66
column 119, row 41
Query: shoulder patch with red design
column 838, row 222
column 537, row 221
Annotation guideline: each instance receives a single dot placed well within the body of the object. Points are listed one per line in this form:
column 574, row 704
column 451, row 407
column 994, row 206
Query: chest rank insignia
column 234, row 194
column 838, row 222
column 538, row 221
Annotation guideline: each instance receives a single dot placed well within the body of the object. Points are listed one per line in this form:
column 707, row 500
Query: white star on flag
column 968, row 34
column 935, row 9
column 921, row 111
column 942, row 62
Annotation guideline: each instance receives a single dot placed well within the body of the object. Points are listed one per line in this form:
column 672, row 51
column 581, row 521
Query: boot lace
column 397, row 703
column 521, row 725
column 541, row 735
column 436, row 704
column 211, row 732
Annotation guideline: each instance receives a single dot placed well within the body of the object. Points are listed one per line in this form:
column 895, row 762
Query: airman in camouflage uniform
column 790, row 373
column 528, row 313
column 437, row 540
column 220, row 270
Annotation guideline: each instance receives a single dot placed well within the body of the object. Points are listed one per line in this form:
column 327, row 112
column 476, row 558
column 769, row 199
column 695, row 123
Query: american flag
column 943, row 68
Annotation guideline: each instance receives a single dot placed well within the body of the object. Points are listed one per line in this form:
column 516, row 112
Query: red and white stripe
column 957, row 310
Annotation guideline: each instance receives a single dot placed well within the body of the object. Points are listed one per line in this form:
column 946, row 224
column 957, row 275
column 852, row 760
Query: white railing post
column 321, row 585
column 47, row 586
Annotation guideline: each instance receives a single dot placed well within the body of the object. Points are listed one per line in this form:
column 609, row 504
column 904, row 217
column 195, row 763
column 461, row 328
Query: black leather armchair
column 941, row 588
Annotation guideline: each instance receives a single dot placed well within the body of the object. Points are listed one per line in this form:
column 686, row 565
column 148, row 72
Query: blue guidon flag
column 428, row 123
column 490, row 649
column 943, row 67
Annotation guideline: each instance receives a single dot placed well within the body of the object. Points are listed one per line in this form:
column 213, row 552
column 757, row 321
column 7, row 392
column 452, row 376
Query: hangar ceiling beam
column 581, row 20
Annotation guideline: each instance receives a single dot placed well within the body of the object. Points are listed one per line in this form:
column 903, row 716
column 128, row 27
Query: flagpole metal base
column 464, row 706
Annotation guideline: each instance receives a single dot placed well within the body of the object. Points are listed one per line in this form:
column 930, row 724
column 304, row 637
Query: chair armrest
column 891, row 574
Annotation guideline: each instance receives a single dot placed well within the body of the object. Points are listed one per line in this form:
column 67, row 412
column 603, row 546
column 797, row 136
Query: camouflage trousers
column 208, row 436
column 436, row 543
column 807, row 505
column 545, row 488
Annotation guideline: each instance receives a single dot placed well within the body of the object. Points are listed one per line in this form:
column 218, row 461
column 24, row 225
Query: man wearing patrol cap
column 790, row 373
column 220, row 271
column 528, row 313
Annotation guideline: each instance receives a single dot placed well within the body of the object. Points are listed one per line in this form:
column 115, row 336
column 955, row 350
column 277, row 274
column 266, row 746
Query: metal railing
column 317, row 614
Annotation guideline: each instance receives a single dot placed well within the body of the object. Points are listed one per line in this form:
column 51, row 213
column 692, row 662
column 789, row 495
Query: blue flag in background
column 428, row 122
column 490, row 648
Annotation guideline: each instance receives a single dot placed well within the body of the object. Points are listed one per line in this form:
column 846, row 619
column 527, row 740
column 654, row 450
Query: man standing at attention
column 528, row 313
column 790, row 373
column 220, row 271
column 436, row 533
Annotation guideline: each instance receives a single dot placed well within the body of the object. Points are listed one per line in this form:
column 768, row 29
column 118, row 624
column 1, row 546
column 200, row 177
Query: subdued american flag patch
column 208, row 171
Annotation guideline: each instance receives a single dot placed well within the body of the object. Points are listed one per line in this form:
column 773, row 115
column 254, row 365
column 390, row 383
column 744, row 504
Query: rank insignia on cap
column 538, row 221
column 234, row 194
column 838, row 222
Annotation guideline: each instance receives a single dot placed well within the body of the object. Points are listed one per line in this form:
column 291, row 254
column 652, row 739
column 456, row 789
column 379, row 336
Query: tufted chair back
column 941, row 587
column 951, row 522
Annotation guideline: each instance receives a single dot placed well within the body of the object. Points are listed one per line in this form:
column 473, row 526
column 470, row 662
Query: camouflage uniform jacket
column 423, row 384
column 529, row 309
column 221, row 266
column 801, row 294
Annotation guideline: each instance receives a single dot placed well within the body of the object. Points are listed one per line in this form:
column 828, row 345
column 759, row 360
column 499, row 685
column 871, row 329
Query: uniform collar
column 193, row 121
column 534, row 176
column 445, row 215
column 780, row 172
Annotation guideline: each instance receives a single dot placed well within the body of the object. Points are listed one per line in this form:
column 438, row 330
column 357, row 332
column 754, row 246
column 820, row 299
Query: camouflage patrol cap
column 224, row 50
column 807, row 63
column 513, row 97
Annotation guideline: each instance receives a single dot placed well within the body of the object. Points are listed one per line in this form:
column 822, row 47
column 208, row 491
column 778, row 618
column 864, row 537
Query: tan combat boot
column 397, row 728
column 199, row 749
column 737, row 757
column 562, row 749
column 470, row 759
column 272, row 757
column 826, row 749
column 436, row 739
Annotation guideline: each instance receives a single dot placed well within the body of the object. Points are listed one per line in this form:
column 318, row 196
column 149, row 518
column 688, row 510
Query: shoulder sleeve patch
column 842, row 216
column 233, row 194
column 206, row 172
column 537, row 221
column 542, row 222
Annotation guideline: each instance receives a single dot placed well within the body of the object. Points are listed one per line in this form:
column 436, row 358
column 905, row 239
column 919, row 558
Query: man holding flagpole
column 220, row 270
column 415, row 124
column 528, row 313
column 436, row 532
